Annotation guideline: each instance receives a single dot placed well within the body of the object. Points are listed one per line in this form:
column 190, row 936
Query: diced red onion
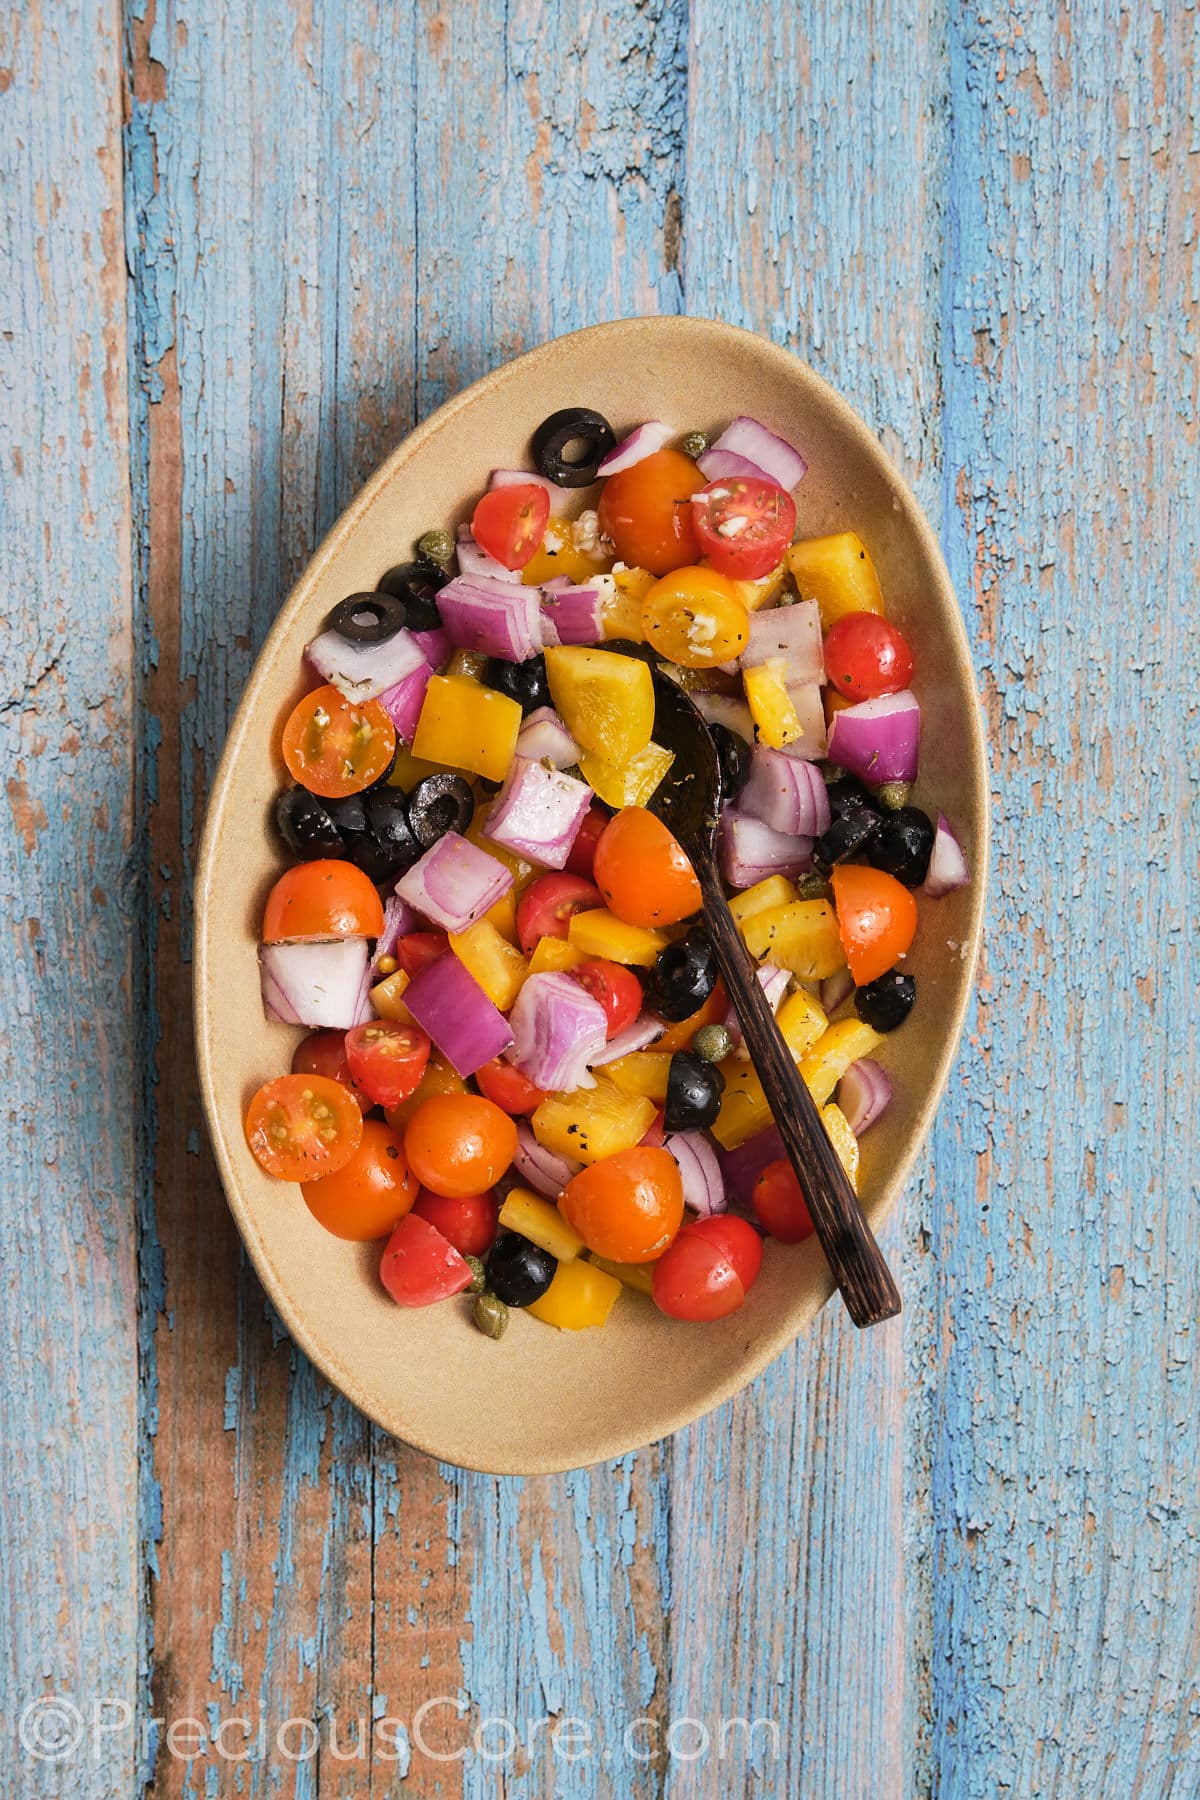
column 700, row 1172
column 635, row 448
column 560, row 498
column 398, row 919
column 454, row 883
column 446, row 1001
column 558, row 1029
column 835, row 989
column 492, row 616
column 809, row 708
column 792, row 632
column 403, row 703
column 472, row 560
column 775, row 984
column 544, row 738
column 315, row 983
column 435, row 647
column 947, row 864
column 722, row 465
column 570, row 614
column 638, row 1036
column 863, row 1094
column 362, row 671
column 724, row 709
column 786, row 793
column 540, row 1167
column 781, row 461
column 538, row 812
column 878, row 740
column 742, row 1167
column 750, row 850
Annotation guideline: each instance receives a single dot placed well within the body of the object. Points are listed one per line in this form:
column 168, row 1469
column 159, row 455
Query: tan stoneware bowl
column 540, row 1399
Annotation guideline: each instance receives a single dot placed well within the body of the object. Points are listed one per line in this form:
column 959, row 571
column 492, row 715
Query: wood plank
column 69, row 1567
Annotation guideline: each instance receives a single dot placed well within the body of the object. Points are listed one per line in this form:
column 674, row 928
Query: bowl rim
column 777, row 1338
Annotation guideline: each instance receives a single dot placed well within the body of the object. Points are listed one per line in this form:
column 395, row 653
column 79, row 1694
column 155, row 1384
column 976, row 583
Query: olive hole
column 576, row 451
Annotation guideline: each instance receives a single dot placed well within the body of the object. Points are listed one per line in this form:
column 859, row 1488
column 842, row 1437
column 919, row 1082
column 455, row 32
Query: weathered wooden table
column 244, row 249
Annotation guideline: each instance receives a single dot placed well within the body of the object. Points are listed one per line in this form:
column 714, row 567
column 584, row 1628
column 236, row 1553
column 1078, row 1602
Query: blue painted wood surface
column 243, row 251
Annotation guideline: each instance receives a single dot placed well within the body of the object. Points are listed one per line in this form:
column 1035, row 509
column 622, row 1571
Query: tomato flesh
column 459, row 1144
column 507, row 1088
column 616, row 988
column 708, row 1270
column 877, row 919
column 323, row 899
column 647, row 512
column 366, row 1197
column 628, row 1206
column 547, row 906
column 387, row 1059
column 334, row 747
column 467, row 1221
column 779, row 1203
column 301, row 1127
column 421, row 1266
column 644, row 876
column 866, row 657
column 510, row 522
column 324, row 1053
column 744, row 525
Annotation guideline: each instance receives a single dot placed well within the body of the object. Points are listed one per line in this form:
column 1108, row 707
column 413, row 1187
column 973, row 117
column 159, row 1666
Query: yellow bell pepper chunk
column 639, row 1276
column 408, row 769
column 592, row 1122
column 754, row 594
column 837, row 573
column 606, row 701
column 541, row 1222
column 745, row 1110
column 439, row 1078
column 503, row 916
column 801, row 1023
column 843, row 1140
column 776, row 890
column 833, row 1053
column 551, row 955
column 641, row 1072
column 601, row 933
column 387, row 999
column 497, row 965
column 622, row 609
column 466, row 726
column 770, row 703
column 802, row 937
column 558, row 555
column 628, row 783
column 580, row 1295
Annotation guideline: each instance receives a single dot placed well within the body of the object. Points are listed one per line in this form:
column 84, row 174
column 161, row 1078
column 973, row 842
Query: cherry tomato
column 387, row 1059
column 324, row 1053
column 713, row 1012
column 779, row 1203
column 647, row 512
column 654, row 1136
column 628, row 1206
column 334, row 747
column 696, row 618
column 468, row 1222
column 877, row 919
column 744, row 526
column 866, row 657
column 367, row 1195
column 420, row 1265
column 616, row 988
column 439, row 1078
column 459, row 1144
column 416, row 951
column 546, row 907
column 583, row 850
column 507, row 1088
column 510, row 522
column 643, row 874
column 708, row 1270
column 301, row 1127
column 324, row 899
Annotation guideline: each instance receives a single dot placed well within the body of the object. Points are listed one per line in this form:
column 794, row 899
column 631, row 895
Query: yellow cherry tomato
column 696, row 617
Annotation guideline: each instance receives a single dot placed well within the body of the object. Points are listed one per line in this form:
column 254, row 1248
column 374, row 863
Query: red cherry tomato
column 743, row 526
column 643, row 874
column 779, row 1203
column 301, row 1127
column 510, row 522
column 583, row 850
column 655, row 1136
column 616, row 988
column 627, row 1206
column 416, row 951
column 468, row 1222
column 546, row 907
column 387, row 1059
column 507, row 1088
column 708, row 1270
column 877, row 919
column 324, row 1053
column 647, row 512
column 866, row 657
column 322, row 899
column 420, row 1265
column 366, row 1197
column 459, row 1144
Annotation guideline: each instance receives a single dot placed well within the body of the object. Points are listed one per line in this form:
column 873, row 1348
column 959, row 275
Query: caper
column 894, row 795
column 436, row 546
column 812, row 886
column 478, row 1274
column 491, row 1315
column 695, row 444
column 713, row 1043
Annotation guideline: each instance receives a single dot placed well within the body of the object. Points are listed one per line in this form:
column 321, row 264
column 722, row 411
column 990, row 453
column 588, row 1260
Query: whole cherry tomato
column 616, row 988
column 877, row 919
column 324, row 1053
column 546, row 907
column 583, row 850
column 468, row 1221
column 420, row 1266
column 387, row 1059
column 779, row 1203
column 510, row 522
column 322, row 899
column 511, row 1091
column 627, row 1206
column 865, row 656
column 334, row 746
column 696, row 617
column 647, row 512
column 365, row 1197
column 744, row 525
column 301, row 1127
column 418, row 949
column 643, row 874
column 459, row 1144
column 709, row 1269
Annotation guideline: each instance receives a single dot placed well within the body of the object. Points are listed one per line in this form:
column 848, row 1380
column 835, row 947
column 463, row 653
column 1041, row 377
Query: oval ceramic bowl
column 541, row 1399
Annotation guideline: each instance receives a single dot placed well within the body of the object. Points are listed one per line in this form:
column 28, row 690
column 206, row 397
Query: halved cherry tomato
column 510, row 522
column 654, row 1136
column 744, row 526
column 547, row 906
column 468, row 1222
column 459, row 1144
column 647, row 512
column 696, row 618
column 708, row 1270
column 420, row 1266
column 877, row 919
column 583, row 850
column 323, row 899
column 367, row 1195
column 334, row 747
column 628, row 1206
column 779, row 1203
column 301, row 1127
column 387, row 1059
column 865, row 656
column 616, row 988
column 507, row 1088
column 713, row 1012
column 643, row 874
column 324, row 1053
column 418, row 949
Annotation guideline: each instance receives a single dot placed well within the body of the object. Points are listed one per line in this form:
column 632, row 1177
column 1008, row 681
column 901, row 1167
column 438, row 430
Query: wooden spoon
column 688, row 801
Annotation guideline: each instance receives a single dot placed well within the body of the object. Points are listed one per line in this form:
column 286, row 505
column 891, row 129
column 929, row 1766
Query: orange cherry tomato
column 324, row 899
column 713, row 1012
column 459, row 1144
column 779, row 1203
column 709, row 1269
column 334, row 747
column 647, row 512
column 628, row 1206
column 369, row 1194
column 877, row 919
column 302, row 1127
column 642, row 873
column 696, row 618
column 510, row 522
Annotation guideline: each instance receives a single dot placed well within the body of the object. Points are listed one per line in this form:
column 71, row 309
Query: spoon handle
column 854, row 1257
